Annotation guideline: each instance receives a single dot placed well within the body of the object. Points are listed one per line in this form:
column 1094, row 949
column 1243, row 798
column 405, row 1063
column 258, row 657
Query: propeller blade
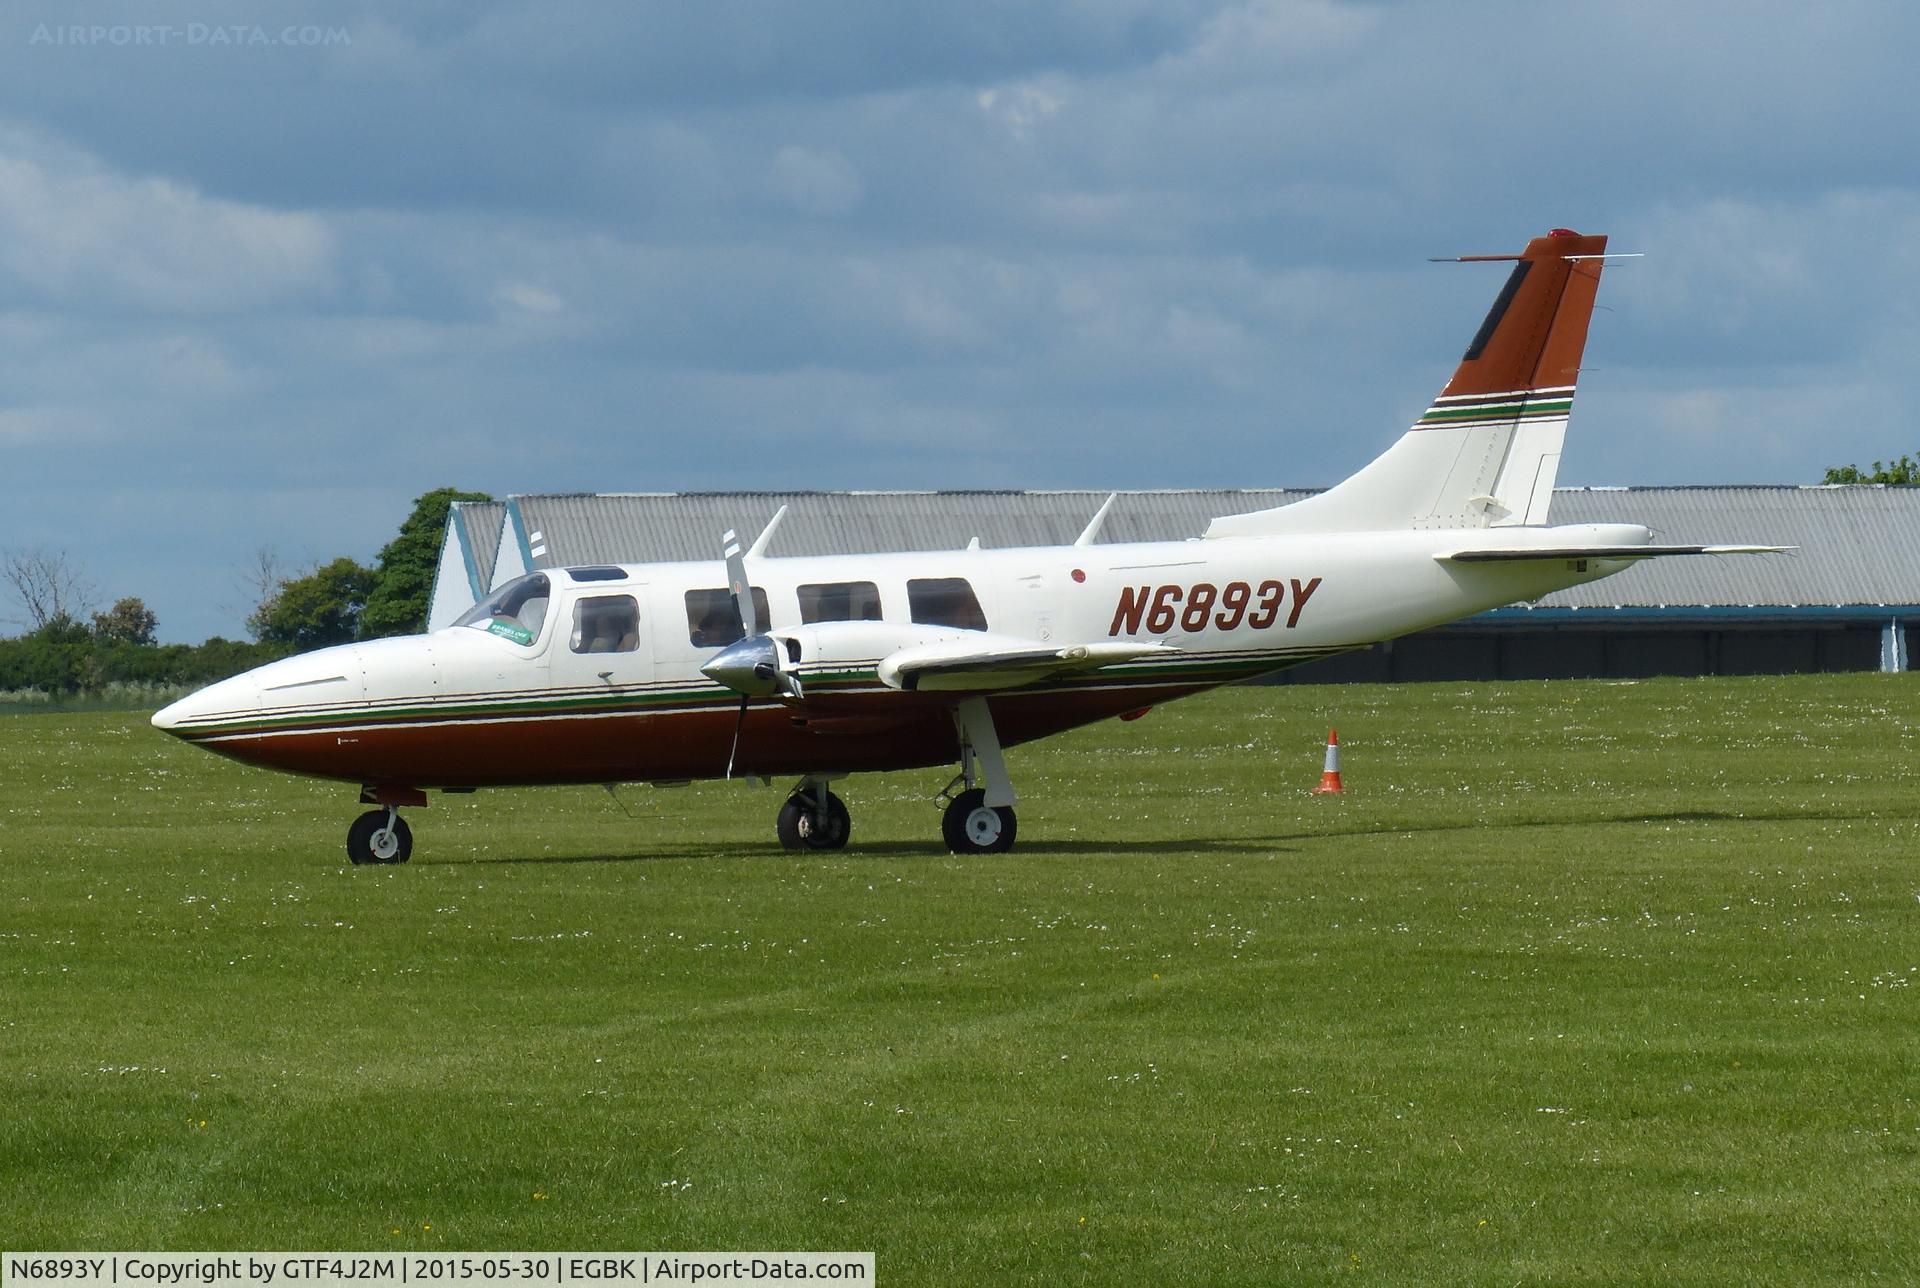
column 738, row 722
column 737, row 583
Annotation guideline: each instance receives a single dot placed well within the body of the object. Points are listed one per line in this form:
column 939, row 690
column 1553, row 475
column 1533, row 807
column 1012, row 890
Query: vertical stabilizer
column 1487, row 451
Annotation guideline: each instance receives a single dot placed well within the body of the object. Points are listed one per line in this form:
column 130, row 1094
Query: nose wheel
column 380, row 836
column 971, row 826
column 813, row 820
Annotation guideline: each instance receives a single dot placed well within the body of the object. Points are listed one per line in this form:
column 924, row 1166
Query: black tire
column 971, row 826
column 369, row 842
column 802, row 827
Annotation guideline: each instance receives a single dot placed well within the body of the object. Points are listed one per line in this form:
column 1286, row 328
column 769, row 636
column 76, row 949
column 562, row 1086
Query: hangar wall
column 1614, row 652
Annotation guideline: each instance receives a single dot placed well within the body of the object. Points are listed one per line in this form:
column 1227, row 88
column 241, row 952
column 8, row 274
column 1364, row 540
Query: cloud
column 816, row 183
column 1788, row 281
column 20, row 426
column 74, row 231
column 673, row 55
column 1094, row 243
column 529, row 298
column 1248, row 41
column 1020, row 108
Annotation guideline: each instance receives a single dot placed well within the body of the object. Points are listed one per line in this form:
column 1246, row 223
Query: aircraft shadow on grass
column 883, row 850
column 1478, row 825
column 1287, row 843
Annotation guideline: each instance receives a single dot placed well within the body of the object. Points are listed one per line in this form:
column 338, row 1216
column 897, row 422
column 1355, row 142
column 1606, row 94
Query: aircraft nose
column 236, row 696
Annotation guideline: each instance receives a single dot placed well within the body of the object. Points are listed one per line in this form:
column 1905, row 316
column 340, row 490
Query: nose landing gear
column 813, row 818
column 380, row 836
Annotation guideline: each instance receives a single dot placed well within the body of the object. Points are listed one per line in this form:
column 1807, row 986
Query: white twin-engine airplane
column 823, row 667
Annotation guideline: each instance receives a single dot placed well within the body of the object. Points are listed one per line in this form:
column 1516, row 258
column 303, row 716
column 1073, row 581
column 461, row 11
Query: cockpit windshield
column 514, row 612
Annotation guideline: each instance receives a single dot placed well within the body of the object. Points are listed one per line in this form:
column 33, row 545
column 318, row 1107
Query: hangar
column 1847, row 600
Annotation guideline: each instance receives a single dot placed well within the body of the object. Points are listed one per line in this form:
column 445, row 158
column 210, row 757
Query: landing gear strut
column 813, row 819
column 979, row 820
column 380, row 836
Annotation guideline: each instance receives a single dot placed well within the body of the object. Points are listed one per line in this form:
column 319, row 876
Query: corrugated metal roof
column 1859, row 545
column 603, row 528
column 480, row 521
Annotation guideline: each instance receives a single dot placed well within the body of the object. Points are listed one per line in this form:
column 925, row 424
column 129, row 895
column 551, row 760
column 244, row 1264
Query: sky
column 270, row 270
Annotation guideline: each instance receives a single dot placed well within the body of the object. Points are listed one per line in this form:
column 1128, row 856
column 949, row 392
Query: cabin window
column 514, row 612
column 945, row 601
column 714, row 622
column 606, row 624
column 597, row 574
column 840, row 601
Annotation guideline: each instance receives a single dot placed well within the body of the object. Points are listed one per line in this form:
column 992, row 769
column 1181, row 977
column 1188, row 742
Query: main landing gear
column 380, row 836
column 979, row 820
column 971, row 826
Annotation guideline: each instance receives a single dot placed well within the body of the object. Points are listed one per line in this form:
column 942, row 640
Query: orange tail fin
column 1537, row 328
column 1487, row 452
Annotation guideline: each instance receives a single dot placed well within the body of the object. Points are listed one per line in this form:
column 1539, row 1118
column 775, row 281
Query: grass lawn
column 1579, row 982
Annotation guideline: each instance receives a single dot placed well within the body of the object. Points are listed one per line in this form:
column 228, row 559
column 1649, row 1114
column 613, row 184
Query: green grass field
column 1580, row 982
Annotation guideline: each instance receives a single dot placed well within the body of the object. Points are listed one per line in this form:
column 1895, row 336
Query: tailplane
column 1487, row 451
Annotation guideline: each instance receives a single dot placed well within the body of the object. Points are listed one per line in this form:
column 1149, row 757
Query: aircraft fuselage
column 470, row 707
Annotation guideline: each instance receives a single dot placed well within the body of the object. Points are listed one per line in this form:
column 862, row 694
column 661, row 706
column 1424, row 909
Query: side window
column 840, row 601
column 713, row 621
column 606, row 624
column 945, row 601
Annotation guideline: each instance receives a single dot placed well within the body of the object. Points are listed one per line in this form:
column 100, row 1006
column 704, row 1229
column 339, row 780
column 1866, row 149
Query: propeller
column 737, row 582
column 749, row 666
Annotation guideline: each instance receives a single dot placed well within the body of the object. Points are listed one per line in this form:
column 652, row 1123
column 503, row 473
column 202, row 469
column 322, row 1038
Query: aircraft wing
column 1526, row 554
column 978, row 661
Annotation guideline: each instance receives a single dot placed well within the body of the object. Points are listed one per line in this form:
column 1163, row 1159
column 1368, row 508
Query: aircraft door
column 604, row 641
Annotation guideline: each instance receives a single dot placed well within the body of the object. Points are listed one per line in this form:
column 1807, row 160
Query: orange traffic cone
column 1330, row 780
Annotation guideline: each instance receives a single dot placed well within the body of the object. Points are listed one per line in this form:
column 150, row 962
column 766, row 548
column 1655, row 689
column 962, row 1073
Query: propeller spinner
column 749, row 666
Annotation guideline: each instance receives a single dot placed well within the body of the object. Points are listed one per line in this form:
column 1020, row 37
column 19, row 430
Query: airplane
column 753, row 666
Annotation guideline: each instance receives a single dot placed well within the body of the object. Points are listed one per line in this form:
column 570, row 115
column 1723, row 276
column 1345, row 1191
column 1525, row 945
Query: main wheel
column 804, row 826
column 971, row 826
column 370, row 840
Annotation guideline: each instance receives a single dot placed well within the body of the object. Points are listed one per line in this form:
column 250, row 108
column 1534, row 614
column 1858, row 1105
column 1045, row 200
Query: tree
column 47, row 584
column 1906, row 471
column 397, row 605
column 60, row 630
column 324, row 607
column 260, row 581
column 129, row 621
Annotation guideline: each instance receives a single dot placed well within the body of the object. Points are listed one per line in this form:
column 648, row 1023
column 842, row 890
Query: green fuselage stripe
column 1147, row 674
column 1498, row 411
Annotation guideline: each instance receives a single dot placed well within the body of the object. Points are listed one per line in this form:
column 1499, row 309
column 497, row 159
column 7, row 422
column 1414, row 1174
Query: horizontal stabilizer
column 1534, row 554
